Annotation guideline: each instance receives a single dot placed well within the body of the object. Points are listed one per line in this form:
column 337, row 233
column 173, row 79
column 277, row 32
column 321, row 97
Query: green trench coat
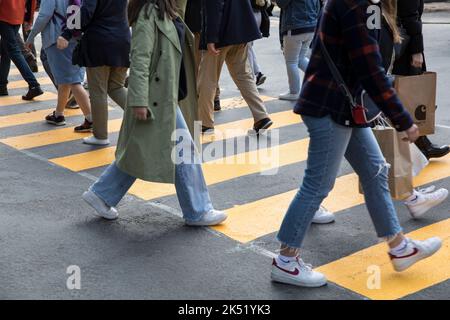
column 145, row 148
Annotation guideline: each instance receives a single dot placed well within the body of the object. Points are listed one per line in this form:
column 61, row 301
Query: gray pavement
column 148, row 253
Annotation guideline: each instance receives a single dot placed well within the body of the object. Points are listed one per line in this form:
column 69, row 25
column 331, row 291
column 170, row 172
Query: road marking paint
column 15, row 100
column 351, row 272
column 239, row 102
column 46, row 138
column 256, row 219
column 23, row 84
column 34, row 116
column 103, row 157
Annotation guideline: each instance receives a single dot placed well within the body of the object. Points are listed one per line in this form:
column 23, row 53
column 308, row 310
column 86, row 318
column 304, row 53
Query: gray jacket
column 48, row 23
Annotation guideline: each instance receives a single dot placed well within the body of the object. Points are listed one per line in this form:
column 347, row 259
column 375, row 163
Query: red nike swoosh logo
column 294, row 273
column 409, row 255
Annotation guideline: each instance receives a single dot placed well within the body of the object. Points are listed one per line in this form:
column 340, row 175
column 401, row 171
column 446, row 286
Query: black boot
column 431, row 150
column 33, row 93
column 3, row 91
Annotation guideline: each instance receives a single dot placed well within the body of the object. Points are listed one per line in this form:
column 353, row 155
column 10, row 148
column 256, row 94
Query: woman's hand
column 417, row 60
column 141, row 113
column 62, row 43
column 412, row 134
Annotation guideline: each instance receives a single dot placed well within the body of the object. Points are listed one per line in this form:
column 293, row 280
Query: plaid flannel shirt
column 355, row 51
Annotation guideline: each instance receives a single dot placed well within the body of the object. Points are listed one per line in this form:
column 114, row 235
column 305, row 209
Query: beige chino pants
column 236, row 58
column 103, row 82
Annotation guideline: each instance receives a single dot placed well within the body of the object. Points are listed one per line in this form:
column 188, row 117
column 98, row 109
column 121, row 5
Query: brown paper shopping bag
column 418, row 95
column 398, row 155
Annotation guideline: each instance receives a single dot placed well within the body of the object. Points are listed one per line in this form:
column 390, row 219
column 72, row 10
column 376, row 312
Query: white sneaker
column 289, row 96
column 96, row 142
column 416, row 251
column 100, row 207
column 212, row 218
column 297, row 273
column 323, row 216
column 429, row 189
column 422, row 202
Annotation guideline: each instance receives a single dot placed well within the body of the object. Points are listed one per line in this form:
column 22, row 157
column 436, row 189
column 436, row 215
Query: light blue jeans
column 190, row 183
column 296, row 55
column 329, row 144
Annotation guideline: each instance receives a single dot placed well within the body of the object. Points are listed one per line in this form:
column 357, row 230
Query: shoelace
column 304, row 266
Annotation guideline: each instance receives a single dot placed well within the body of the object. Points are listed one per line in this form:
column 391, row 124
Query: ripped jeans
column 329, row 143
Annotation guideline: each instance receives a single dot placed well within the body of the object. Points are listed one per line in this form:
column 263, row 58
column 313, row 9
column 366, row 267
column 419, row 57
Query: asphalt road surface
column 47, row 231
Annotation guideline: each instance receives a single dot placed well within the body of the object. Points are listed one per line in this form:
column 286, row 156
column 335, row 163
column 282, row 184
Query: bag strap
column 336, row 74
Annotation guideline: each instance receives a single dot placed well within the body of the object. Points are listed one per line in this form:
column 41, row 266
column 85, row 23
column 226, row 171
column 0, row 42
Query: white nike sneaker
column 422, row 202
column 429, row 189
column 212, row 218
column 101, row 209
column 415, row 251
column 323, row 216
column 297, row 273
column 96, row 142
column 289, row 96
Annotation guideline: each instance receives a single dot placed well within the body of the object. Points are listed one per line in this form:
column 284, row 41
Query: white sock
column 89, row 117
column 402, row 249
column 283, row 260
column 59, row 114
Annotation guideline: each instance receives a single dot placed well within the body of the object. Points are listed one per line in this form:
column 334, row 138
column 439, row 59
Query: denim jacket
column 299, row 14
column 48, row 23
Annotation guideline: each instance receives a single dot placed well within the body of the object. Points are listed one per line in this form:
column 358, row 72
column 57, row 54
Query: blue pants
column 329, row 144
column 10, row 50
column 190, row 183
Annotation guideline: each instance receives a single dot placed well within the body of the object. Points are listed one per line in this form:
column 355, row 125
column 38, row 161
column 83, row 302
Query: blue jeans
column 190, row 183
column 329, row 144
column 296, row 55
column 10, row 50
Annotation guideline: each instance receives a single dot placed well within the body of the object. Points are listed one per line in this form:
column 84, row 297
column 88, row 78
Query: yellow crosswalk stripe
column 256, row 219
column 46, row 138
column 32, row 116
column 13, row 100
column 361, row 271
column 231, row 167
column 23, row 84
column 39, row 139
column 103, row 157
column 238, row 102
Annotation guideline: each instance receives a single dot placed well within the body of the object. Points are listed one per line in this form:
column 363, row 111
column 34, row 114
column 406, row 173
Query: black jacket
column 106, row 34
column 228, row 22
column 410, row 18
column 193, row 15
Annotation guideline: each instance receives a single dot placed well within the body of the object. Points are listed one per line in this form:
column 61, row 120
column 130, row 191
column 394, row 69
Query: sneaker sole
column 212, row 224
column 96, row 144
column 287, row 280
column 288, row 99
column 324, row 221
column 421, row 257
column 58, row 124
column 83, row 131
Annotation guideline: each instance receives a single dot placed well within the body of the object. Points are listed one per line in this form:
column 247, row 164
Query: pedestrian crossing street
column 22, row 128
